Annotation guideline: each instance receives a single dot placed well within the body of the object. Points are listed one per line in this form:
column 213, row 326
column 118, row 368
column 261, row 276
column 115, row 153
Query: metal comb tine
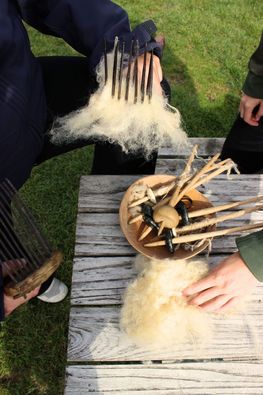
column 24, row 267
column 135, row 72
column 10, row 273
column 105, row 62
column 19, row 270
column 10, row 240
column 115, row 66
column 8, row 235
column 31, row 254
column 149, row 89
column 128, row 77
column 34, row 257
column 121, row 70
column 28, row 215
column 143, row 74
column 5, row 242
column 5, row 252
column 44, row 249
column 16, row 271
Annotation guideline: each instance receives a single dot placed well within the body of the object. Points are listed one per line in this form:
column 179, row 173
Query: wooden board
column 175, row 166
column 206, row 147
column 108, row 240
column 207, row 378
column 98, row 232
column 104, row 193
column 94, row 335
column 102, row 281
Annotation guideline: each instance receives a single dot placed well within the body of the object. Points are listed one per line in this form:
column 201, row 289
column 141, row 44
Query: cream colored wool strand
column 154, row 310
column 141, row 126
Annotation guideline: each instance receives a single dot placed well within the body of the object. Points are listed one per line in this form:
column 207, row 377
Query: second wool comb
column 26, row 256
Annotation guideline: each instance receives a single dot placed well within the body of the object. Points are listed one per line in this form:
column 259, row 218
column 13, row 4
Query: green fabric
column 253, row 85
column 251, row 250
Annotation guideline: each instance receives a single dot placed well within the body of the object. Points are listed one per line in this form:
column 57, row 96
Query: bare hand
column 223, row 287
column 10, row 304
column 246, row 108
column 157, row 71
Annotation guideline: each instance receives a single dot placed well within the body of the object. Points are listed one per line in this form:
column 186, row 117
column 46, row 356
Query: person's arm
column 85, row 24
column 233, row 278
column 251, row 104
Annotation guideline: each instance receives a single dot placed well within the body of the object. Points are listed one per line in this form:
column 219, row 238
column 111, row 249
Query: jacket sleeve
column 251, row 250
column 253, row 85
column 84, row 24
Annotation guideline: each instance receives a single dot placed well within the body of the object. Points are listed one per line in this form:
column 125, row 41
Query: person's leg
column 244, row 145
column 68, row 86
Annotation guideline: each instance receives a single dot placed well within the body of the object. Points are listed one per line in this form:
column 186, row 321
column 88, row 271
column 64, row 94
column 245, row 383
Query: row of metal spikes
column 23, row 248
column 146, row 87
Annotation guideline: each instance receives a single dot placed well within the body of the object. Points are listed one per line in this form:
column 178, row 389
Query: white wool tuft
column 140, row 126
column 154, row 310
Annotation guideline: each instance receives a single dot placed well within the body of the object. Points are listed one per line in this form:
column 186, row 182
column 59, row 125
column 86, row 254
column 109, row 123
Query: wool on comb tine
column 105, row 62
column 128, row 77
column 149, row 89
column 143, row 74
column 136, row 72
column 115, row 66
column 121, row 70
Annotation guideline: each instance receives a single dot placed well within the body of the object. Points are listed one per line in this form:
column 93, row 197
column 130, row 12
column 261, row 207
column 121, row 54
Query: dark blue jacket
column 83, row 24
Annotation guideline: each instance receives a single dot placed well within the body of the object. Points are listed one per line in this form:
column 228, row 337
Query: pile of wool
column 155, row 311
column 142, row 127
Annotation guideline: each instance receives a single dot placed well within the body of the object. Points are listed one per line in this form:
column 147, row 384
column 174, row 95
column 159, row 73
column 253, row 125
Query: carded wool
column 154, row 310
column 135, row 127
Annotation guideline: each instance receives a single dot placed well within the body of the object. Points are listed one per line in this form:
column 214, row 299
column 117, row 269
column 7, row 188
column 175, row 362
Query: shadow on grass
column 198, row 120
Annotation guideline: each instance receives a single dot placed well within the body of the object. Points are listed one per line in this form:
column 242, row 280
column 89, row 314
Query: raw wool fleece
column 154, row 310
column 135, row 127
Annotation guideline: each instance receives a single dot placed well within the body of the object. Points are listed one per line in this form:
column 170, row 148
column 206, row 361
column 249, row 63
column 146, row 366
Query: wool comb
column 125, row 67
column 26, row 256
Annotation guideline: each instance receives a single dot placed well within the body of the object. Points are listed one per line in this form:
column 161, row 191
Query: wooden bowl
column 133, row 231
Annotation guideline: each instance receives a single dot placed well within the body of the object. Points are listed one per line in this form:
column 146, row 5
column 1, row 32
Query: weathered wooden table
column 99, row 360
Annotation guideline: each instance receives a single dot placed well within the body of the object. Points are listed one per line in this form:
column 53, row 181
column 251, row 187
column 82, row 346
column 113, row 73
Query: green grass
column 208, row 47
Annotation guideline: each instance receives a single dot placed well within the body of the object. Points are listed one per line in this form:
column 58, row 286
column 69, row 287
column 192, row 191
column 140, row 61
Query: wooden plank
column 166, row 379
column 100, row 281
column 105, row 195
column 94, row 335
column 108, row 244
column 103, row 280
column 206, row 147
column 106, row 237
column 175, row 166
